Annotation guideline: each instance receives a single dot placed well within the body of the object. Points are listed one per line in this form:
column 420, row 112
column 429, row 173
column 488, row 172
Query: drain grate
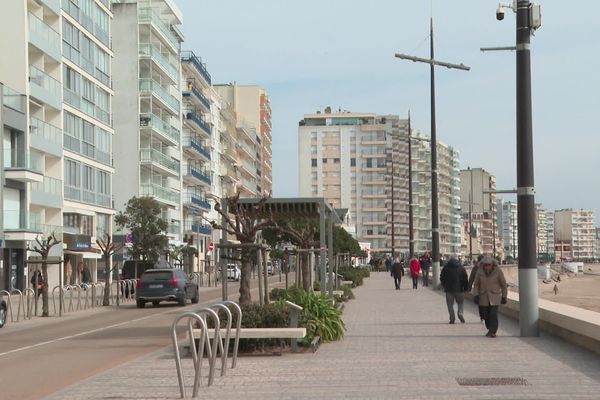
column 492, row 381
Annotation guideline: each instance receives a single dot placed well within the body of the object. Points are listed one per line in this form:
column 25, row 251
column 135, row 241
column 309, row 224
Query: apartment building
column 550, row 246
column 450, row 222
column 597, row 248
column 148, row 110
column 57, row 133
column 250, row 106
column 348, row 158
column 574, row 234
column 544, row 234
column 508, row 227
column 478, row 205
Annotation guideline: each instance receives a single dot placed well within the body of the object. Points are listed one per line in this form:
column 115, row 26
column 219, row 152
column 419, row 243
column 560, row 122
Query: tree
column 179, row 253
column 142, row 218
column 108, row 249
column 343, row 242
column 43, row 247
column 244, row 221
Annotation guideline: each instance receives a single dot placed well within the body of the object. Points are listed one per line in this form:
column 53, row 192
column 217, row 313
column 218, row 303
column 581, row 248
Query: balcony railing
column 197, row 146
column 44, row 130
column 198, row 227
column 190, row 57
column 198, row 173
column 198, row 199
column 15, row 220
column 43, row 80
column 191, row 90
column 49, row 185
column 153, row 155
column 192, row 116
column 161, row 193
column 21, row 159
column 39, row 29
column 162, row 93
column 153, row 121
column 148, row 14
column 13, row 99
column 152, row 51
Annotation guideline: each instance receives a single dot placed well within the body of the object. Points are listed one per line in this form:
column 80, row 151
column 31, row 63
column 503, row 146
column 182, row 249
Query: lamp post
column 435, row 223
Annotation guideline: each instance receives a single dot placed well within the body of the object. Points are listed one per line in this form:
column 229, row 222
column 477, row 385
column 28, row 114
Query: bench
column 347, row 283
column 338, row 292
column 259, row 333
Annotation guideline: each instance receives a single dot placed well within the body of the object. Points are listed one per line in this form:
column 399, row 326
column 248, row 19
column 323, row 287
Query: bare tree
column 108, row 249
column 43, row 247
column 244, row 221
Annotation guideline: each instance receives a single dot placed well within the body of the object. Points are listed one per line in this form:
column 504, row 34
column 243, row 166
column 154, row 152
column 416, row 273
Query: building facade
column 574, row 235
column 508, row 228
column 544, row 234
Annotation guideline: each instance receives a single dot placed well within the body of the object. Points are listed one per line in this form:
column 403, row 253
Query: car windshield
column 157, row 276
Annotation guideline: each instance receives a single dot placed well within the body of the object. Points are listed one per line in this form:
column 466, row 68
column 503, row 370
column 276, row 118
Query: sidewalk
column 398, row 345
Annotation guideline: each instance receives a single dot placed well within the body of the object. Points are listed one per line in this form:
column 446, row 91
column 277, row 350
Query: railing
column 40, row 78
column 44, row 130
column 44, row 30
column 174, row 229
column 148, row 14
column 162, row 93
column 153, row 155
column 198, row 200
column 192, row 116
column 248, row 148
column 191, row 89
column 13, row 99
column 150, row 50
column 189, row 56
column 150, row 189
column 76, row 100
column 23, row 160
column 196, row 145
column 16, row 220
column 153, row 121
column 50, row 185
column 197, row 227
column 199, row 174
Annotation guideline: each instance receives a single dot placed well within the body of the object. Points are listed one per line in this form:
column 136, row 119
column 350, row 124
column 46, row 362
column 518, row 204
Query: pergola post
column 322, row 253
column 330, row 248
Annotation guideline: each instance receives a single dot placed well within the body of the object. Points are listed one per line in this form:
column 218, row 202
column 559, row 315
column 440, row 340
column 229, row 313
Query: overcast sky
column 313, row 53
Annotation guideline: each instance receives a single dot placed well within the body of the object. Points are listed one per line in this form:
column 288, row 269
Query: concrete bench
column 260, row 333
column 347, row 283
column 338, row 292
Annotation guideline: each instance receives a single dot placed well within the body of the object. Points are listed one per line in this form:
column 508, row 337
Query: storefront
column 80, row 259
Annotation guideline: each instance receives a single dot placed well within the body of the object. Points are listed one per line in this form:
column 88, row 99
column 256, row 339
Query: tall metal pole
column 528, row 282
column 393, row 225
column 470, row 216
column 411, row 237
column 222, row 251
column 435, row 223
column 323, row 249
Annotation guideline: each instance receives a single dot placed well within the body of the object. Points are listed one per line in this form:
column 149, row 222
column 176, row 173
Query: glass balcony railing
column 149, row 15
column 190, row 57
column 23, row 160
column 192, row 116
column 40, row 31
column 148, row 85
column 49, row 185
column 45, row 81
column 152, row 51
column 13, row 99
column 15, row 220
column 161, row 193
column 174, row 228
column 166, row 129
column 155, row 156
column 44, row 130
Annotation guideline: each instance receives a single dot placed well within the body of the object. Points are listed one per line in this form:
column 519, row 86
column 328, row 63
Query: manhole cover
column 491, row 381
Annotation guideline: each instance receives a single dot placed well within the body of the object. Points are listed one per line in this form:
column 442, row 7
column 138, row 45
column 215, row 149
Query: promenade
column 398, row 345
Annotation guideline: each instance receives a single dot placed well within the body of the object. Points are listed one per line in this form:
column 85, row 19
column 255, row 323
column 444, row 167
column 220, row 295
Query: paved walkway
column 398, row 346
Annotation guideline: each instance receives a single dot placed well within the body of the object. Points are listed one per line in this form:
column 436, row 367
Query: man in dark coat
column 455, row 282
column 397, row 272
column 425, row 262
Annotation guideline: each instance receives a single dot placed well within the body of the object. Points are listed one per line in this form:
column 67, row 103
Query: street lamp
column 528, row 20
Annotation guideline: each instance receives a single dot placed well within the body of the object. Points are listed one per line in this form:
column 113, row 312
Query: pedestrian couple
column 416, row 269
column 488, row 288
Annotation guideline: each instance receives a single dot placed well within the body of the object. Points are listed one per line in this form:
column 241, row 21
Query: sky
column 315, row 53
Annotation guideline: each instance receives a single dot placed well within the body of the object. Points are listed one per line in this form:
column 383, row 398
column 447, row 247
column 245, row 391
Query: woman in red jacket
column 415, row 268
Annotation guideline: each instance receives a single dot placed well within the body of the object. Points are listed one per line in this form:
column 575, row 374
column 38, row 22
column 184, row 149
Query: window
column 71, row 79
column 72, row 173
column 103, row 182
column 336, row 160
column 102, row 225
column 88, row 178
column 369, row 162
column 314, row 162
column 324, row 161
column 353, row 162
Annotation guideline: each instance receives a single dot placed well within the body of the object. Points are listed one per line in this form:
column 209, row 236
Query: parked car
column 233, row 272
column 156, row 285
column 270, row 268
column 2, row 313
column 133, row 269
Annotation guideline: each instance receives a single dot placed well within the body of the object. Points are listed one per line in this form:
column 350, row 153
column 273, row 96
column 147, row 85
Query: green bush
column 347, row 295
column 356, row 275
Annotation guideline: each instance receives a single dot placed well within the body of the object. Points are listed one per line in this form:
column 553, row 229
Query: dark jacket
column 397, row 270
column 472, row 276
column 454, row 277
column 425, row 262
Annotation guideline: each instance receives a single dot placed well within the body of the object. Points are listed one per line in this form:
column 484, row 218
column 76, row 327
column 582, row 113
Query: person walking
column 425, row 262
column 388, row 264
column 472, row 279
column 455, row 283
column 37, row 282
column 489, row 291
column 397, row 272
column 415, row 268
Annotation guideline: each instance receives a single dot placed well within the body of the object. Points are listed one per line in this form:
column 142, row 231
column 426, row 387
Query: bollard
column 295, row 311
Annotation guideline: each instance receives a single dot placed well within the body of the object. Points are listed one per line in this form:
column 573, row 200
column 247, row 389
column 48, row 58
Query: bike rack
column 95, row 301
column 21, row 304
column 71, row 290
column 238, row 327
column 7, row 293
column 30, row 303
column 60, row 289
column 224, row 342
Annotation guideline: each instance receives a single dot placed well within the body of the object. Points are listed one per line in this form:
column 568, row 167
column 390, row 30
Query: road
column 41, row 356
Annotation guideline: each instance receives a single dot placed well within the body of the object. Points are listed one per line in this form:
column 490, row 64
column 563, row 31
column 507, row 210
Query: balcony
column 22, row 166
column 160, row 193
column 197, row 97
column 13, row 100
column 149, row 87
column 45, row 88
column 174, row 229
column 46, row 39
column 166, row 131
column 197, row 227
column 48, row 193
column 196, row 175
column 195, row 199
column 190, row 59
column 147, row 15
column 147, row 50
column 193, row 146
column 197, row 122
column 159, row 160
column 45, row 137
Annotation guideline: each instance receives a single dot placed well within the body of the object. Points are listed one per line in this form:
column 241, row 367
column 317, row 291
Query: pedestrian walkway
column 398, row 345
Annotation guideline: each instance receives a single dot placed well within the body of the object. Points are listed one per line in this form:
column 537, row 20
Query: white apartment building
column 148, row 110
column 346, row 157
column 550, row 235
column 57, row 133
column 574, row 234
column 479, row 207
column 508, row 227
column 544, row 234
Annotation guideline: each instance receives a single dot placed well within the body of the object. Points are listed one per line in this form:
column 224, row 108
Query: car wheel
column 155, row 303
column 196, row 298
column 2, row 315
column 181, row 302
column 141, row 304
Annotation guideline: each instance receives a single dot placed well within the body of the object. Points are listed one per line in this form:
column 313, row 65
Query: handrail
column 238, row 328
column 7, row 293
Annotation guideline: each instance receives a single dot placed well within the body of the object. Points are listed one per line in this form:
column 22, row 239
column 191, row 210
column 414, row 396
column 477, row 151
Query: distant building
column 574, row 234
column 597, row 248
column 544, row 234
column 508, row 228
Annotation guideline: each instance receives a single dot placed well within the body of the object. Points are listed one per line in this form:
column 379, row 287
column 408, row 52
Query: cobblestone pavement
column 398, row 345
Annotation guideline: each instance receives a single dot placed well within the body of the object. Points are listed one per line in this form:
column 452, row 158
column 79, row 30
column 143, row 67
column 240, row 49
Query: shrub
column 347, row 295
column 356, row 275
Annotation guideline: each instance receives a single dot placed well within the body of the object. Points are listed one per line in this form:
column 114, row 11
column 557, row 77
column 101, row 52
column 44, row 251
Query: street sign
column 129, row 238
column 211, row 247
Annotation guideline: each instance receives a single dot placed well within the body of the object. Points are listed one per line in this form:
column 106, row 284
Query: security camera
column 500, row 13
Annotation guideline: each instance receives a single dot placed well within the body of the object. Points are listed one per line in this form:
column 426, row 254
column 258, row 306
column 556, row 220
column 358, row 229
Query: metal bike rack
column 70, row 289
column 238, row 327
column 216, row 339
column 20, row 306
column 224, row 342
column 197, row 358
column 60, row 289
column 27, row 292
column 2, row 293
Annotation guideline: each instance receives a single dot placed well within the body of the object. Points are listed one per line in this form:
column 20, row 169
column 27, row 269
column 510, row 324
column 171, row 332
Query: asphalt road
column 41, row 356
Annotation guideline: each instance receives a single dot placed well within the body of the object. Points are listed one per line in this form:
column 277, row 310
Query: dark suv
column 133, row 269
column 3, row 313
column 158, row 285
